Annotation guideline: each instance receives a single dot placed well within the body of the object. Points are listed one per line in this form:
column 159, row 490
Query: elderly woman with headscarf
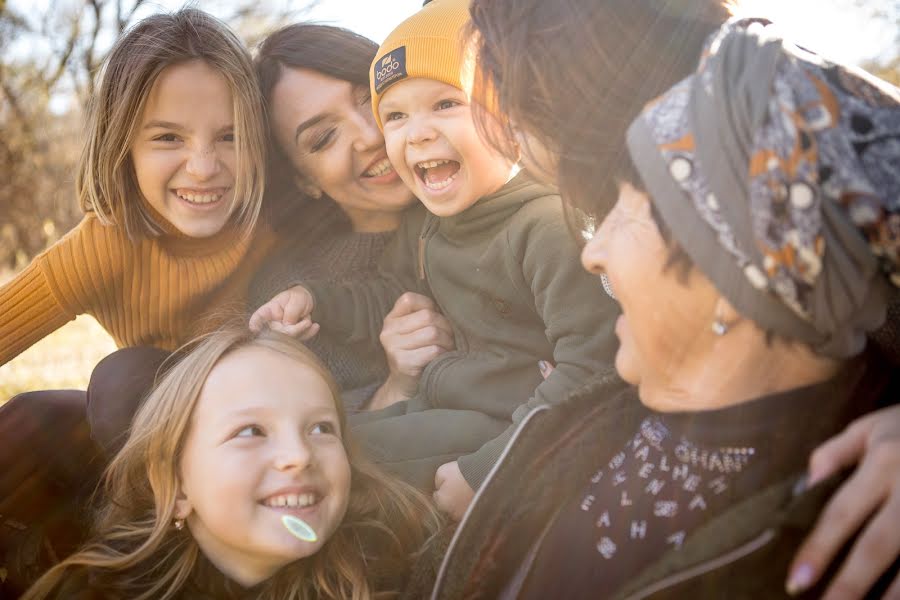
column 754, row 246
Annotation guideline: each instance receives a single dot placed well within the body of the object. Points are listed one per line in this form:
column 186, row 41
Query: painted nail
column 800, row 579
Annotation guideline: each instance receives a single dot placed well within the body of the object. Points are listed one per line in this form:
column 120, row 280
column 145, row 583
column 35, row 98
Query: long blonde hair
column 137, row 553
column 106, row 182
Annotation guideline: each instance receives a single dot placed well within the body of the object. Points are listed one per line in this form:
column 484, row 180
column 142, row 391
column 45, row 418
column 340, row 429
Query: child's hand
column 288, row 312
column 452, row 493
column 414, row 333
column 871, row 497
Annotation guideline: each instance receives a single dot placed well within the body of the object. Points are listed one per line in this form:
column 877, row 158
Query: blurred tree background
column 49, row 54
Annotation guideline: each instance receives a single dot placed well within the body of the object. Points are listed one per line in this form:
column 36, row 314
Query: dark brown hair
column 332, row 51
column 575, row 73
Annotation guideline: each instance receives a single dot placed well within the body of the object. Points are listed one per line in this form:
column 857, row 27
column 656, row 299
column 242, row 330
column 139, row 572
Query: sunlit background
column 49, row 50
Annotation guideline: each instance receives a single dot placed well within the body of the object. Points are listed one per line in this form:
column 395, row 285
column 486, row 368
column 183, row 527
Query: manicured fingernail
column 543, row 366
column 814, row 477
column 800, row 579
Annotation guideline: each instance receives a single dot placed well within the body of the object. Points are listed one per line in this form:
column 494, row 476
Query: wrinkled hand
column 872, row 494
column 414, row 333
column 288, row 312
column 452, row 493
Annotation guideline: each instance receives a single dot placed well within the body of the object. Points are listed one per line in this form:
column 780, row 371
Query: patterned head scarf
column 778, row 172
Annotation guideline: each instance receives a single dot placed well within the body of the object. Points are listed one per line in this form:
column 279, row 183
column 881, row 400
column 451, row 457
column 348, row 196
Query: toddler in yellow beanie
column 421, row 83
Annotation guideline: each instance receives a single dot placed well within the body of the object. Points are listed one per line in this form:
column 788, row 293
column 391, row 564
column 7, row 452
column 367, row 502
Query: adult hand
column 872, row 494
column 414, row 333
column 288, row 312
column 452, row 493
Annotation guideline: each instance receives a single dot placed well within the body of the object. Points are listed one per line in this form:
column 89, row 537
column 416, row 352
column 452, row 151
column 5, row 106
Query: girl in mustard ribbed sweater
column 171, row 184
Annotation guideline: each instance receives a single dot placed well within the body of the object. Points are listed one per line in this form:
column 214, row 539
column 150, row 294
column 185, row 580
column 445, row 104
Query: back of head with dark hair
column 575, row 73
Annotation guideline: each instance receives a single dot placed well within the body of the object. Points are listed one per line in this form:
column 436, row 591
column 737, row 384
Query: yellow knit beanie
column 429, row 44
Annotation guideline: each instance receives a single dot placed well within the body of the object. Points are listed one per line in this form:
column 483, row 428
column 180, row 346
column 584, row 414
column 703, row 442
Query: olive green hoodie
column 506, row 273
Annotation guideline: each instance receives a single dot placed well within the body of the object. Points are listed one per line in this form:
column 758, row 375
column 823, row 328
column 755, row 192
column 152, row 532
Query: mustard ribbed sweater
column 158, row 292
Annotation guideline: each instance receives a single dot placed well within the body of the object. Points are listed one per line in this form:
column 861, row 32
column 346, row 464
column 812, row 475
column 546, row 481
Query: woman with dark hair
column 742, row 334
column 328, row 160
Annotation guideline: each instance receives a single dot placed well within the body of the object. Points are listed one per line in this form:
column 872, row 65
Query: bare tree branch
column 12, row 99
column 63, row 59
column 89, row 59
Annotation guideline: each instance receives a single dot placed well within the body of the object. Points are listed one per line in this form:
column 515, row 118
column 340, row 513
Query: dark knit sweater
column 677, row 472
column 555, row 451
column 328, row 250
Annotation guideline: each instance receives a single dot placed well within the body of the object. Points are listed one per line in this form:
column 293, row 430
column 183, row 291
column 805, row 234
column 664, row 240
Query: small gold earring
column 179, row 524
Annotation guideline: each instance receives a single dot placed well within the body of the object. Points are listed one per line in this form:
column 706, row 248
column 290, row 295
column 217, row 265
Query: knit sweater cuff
column 476, row 466
column 29, row 312
column 332, row 305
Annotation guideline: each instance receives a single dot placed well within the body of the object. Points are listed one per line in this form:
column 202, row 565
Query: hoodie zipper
column 439, row 580
column 429, row 225
column 481, row 490
column 705, row 567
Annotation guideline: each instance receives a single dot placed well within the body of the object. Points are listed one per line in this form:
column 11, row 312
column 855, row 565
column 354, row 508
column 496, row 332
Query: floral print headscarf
column 779, row 174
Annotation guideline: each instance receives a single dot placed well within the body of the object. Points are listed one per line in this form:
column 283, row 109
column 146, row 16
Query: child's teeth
column 428, row 164
column 292, row 500
column 199, row 198
column 439, row 185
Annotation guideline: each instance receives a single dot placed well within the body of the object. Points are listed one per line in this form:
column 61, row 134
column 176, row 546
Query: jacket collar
column 495, row 208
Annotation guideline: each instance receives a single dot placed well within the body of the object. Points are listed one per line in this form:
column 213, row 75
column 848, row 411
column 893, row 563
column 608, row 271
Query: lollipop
column 299, row 528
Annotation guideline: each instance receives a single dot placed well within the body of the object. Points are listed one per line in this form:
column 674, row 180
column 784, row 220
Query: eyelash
column 326, row 427
column 257, row 428
column 227, row 137
column 452, row 103
column 331, row 429
column 322, row 141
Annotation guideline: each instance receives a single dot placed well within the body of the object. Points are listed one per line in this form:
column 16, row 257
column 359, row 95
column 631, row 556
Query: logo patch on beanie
column 389, row 68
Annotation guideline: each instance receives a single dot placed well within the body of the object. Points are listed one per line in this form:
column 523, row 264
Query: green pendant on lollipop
column 299, row 528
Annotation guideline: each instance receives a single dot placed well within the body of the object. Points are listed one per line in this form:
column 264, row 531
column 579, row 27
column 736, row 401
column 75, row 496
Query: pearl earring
column 179, row 524
column 719, row 328
column 718, row 325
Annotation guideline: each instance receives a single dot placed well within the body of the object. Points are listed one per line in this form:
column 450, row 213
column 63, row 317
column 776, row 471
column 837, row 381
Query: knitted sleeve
column 28, row 312
column 355, row 311
column 286, row 265
column 57, row 286
column 578, row 316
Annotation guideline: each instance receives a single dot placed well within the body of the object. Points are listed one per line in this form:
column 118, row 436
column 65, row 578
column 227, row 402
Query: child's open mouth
column 437, row 174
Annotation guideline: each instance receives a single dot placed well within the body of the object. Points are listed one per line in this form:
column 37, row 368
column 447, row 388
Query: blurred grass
column 63, row 359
